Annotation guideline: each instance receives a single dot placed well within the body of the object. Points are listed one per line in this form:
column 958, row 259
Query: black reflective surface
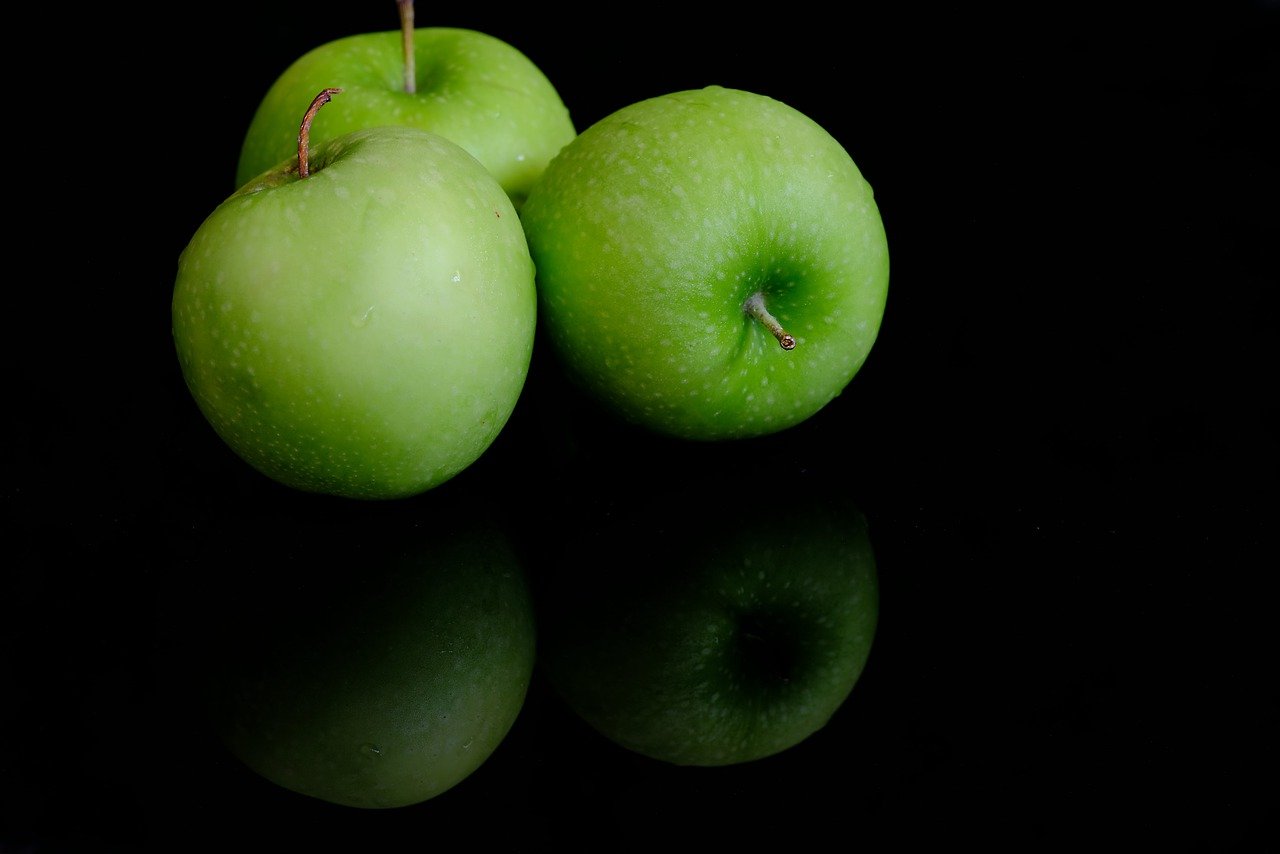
column 1063, row 444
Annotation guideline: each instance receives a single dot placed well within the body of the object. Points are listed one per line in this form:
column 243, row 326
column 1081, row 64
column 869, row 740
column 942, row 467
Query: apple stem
column 406, row 32
column 304, row 132
column 754, row 306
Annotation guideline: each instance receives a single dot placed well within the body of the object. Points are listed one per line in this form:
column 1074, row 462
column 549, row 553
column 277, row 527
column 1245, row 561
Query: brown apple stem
column 406, row 32
column 304, row 132
column 754, row 306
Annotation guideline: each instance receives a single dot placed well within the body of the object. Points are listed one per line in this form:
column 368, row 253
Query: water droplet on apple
column 359, row 320
column 370, row 750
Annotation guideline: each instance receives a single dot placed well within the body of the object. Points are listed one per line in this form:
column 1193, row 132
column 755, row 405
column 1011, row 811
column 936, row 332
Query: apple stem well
column 754, row 306
column 406, row 32
column 304, row 132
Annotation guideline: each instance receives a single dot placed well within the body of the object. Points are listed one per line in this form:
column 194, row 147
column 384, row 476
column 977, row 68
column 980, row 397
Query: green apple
column 364, row 665
column 365, row 331
column 711, row 264
column 468, row 86
column 700, row 634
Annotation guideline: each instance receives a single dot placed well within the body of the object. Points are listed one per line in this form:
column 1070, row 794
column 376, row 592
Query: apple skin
column 367, row 667
column 700, row 633
column 366, row 331
column 652, row 229
column 472, row 88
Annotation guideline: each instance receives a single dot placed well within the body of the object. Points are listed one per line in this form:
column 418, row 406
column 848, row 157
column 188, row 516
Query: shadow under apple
column 371, row 661
column 708, row 630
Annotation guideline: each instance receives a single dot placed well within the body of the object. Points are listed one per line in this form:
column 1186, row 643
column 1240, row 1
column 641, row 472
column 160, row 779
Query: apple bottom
column 378, row 684
column 730, row 647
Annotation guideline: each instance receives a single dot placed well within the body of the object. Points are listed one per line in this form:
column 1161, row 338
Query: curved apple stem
column 754, row 306
column 406, row 33
column 304, row 132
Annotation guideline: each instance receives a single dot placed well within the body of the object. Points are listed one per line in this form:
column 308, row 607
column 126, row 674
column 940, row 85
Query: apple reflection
column 707, row 630
column 370, row 660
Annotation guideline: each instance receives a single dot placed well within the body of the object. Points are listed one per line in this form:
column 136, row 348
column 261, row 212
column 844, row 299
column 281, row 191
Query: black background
column 1064, row 441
